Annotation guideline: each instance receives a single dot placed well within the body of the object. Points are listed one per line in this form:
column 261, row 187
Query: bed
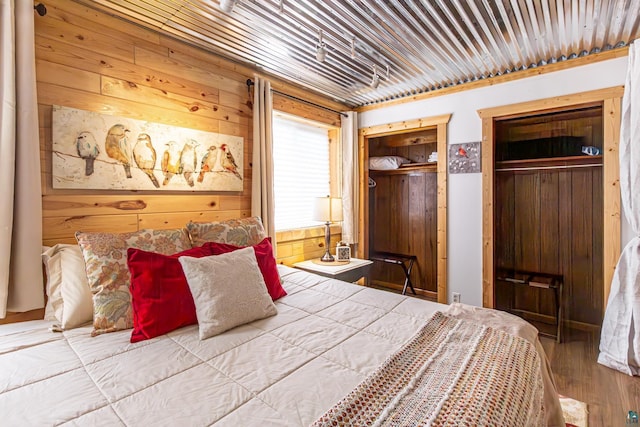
column 336, row 353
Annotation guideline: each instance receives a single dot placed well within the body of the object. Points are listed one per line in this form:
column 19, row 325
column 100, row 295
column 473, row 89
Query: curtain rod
column 250, row 83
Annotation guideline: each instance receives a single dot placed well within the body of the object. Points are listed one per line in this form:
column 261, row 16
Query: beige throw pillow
column 69, row 302
column 237, row 232
column 228, row 290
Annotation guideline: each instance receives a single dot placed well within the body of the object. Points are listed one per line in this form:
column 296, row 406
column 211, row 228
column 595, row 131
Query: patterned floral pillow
column 238, row 232
column 105, row 256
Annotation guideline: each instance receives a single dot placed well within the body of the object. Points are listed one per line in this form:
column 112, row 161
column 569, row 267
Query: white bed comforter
column 286, row 370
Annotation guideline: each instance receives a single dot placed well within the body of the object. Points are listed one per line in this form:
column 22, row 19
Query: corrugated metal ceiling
column 414, row 46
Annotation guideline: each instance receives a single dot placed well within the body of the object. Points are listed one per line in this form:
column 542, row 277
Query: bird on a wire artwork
column 88, row 150
column 118, row 147
column 145, row 156
column 92, row 150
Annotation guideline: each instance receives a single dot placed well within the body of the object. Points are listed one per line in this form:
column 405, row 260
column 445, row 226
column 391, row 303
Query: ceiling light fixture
column 321, row 52
column 227, row 5
column 321, row 49
column 375, row 81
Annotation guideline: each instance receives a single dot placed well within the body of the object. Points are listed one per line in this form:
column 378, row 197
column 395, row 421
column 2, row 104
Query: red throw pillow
column 266, row 262
column 160, row 295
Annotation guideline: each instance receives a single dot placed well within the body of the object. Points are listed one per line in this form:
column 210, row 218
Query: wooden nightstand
column 351, row 272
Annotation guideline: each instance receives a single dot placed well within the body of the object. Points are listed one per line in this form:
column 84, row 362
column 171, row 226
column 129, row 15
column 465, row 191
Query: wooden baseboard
column 581, row 326
column 37, row 314
column 544, row 318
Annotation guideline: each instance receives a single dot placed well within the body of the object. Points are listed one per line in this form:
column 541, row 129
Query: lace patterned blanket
column 451, row 373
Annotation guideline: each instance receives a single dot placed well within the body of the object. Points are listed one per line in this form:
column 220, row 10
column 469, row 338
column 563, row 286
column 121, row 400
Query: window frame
column 335, row 168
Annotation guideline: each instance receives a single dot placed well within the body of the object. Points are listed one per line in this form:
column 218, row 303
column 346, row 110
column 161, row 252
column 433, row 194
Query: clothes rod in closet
column 536, row 168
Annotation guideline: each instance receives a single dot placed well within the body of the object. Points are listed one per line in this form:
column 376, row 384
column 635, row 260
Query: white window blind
column 301, row 170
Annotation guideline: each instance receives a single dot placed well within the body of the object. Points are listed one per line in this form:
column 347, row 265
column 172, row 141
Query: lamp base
column 327, row 257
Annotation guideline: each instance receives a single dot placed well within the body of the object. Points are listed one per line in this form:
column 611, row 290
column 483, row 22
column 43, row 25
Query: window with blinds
column 301, row 170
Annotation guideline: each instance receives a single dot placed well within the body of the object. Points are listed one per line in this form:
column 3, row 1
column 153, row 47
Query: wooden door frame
column 610, row 99
column 440, row 124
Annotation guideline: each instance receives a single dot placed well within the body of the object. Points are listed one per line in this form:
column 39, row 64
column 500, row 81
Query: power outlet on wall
column 456, row 297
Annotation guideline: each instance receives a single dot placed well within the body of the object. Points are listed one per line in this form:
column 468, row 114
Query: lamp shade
column 327, row 209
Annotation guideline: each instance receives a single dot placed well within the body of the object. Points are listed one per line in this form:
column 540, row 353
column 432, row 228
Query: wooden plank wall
column 584, row 122
column 89, row 60
column 552, row 222
column 305, row 243
column 403, row 219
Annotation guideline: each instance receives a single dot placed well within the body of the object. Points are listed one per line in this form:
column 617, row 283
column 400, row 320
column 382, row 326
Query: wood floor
column 609, row 394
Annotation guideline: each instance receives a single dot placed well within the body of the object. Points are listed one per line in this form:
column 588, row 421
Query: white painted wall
column 465, row 190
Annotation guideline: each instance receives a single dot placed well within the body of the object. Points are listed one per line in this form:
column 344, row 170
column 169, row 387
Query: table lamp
column 328, row 210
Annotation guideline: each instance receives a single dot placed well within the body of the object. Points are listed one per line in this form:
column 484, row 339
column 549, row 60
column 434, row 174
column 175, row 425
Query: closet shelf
column 407, row 168
column 550, row 161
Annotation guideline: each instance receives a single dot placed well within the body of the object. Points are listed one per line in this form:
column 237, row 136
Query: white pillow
column 228, row 290
column 386, row 162
column 70, row 301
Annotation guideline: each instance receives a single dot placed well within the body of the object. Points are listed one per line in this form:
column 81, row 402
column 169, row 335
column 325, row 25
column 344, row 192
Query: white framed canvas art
column 465, row 158
column 103, row 152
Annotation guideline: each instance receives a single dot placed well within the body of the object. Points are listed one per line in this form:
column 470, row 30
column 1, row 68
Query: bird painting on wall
column 462, row 152
column 145, row 157
column 171, row 161
column 208, row 162
column 189, row 161
column 227, row 161
column 88, row 150
column 118, row 148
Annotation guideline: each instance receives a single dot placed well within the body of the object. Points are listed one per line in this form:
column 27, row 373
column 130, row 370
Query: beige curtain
column 262, row 203
column 20, row 192
column 350, row 176
column 620, row 337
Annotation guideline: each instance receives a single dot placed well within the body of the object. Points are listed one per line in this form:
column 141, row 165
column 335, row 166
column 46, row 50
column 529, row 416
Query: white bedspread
column 284, row 370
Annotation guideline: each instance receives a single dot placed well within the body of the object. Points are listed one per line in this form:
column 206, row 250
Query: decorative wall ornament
column 465, row 158
column 99, row 151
